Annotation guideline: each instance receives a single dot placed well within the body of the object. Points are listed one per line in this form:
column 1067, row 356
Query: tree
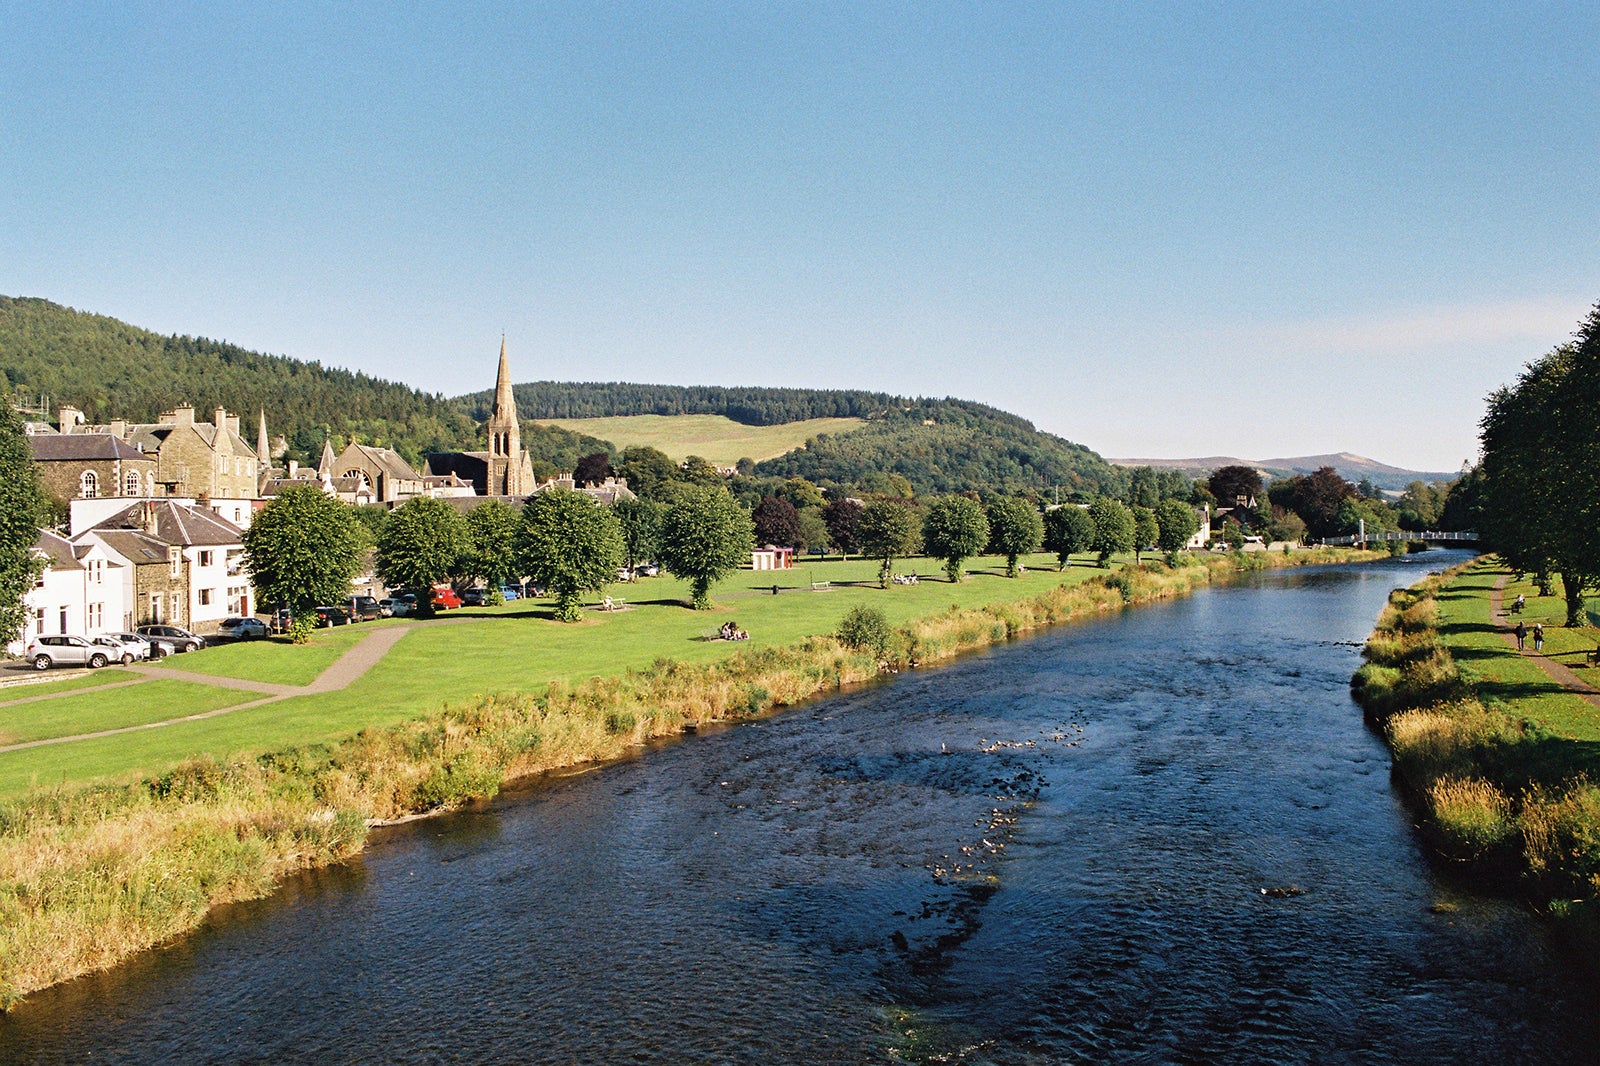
column 1229, row 483
column 698, row 470
column 641, row 527
column 1015, row 528
column 843, row 517
column 1144, row 490
column 1113, row 528
column 705, row 536
column 648, row 470
column 592, row 468
column 1145, row 530
column 22, row 507
column 889, row 529
column 814, row 534
column 491, row 549
column 569, row 544
column 955, row 530
column 303, row 549
column 1176, row 522
column 1067, row 529
column 422, row 544
column 776, row 523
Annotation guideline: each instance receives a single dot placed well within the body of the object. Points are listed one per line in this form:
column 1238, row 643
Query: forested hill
column 110, row 369
column 939, row 446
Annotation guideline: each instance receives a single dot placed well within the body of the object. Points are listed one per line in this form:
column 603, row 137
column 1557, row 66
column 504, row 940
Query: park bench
column 821, row 586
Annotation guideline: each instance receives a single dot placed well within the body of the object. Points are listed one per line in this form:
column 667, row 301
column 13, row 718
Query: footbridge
column 1432, row 536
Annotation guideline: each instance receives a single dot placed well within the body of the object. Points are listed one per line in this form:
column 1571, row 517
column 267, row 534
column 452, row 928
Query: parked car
column 648, row 570
column 475, row 597
column 181, row 638
column 365, row 609
column 328, row 616
column 444, row 597
column 66, row 650
column 510, row 592
column 399, row 606
column 122, row 651
column 153, row 649
column 243, row 628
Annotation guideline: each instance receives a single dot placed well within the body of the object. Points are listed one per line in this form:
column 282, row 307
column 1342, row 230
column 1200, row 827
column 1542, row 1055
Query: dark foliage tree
column 1229, row 483
column 1315, row 498
column 955, row 530
column 1015, row 529
column 705, row 535
column 1067, row 529
column 648, row 470
column 1113, row 528
column 843, row 517
column 593, row 468
column 890, row 529
column 777, row 523
column 641, row 529
column 303, row 549
column 568, row 543
column 1144, row 490
column 22, row 509
column 491, row 551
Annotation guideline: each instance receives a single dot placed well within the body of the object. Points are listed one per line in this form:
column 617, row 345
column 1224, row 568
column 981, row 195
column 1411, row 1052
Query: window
column 63, row 619
column 130, row 483
column 89, row 485
column 96, row 570
column 177, row 608
column 174, row 560
column 205, row 597
column 97, row 616
column 206, row 558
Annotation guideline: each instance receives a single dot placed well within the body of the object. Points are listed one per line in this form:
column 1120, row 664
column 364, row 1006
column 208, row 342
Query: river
column 1160, row 838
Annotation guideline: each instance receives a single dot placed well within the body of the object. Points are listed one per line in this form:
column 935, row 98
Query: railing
column 1428, row 535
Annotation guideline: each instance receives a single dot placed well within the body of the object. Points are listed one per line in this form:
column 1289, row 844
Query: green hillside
column 110, row 369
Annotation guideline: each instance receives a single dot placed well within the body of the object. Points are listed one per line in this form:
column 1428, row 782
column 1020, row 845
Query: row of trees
column 305, row 547
column 1541, row 468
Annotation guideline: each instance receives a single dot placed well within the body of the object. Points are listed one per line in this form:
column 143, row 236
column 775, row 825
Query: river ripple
column 1054, row 852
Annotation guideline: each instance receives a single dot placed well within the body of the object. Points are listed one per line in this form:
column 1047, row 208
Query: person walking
column 1538, row 636
column 1522, row 636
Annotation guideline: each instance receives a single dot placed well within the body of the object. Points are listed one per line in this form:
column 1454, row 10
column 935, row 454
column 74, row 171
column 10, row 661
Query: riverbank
column 1496, row 757
column 89, row 876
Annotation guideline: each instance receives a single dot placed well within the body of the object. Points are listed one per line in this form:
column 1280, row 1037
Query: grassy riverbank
column 1498, row 760
column 91, row 874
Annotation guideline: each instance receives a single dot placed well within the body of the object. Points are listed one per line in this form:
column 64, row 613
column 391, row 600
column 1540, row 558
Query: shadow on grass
column 1517, row 690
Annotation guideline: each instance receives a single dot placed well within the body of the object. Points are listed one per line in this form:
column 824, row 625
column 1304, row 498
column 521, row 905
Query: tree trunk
column 1572, row 584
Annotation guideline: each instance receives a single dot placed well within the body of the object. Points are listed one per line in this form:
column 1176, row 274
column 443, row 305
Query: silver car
column 122, row 651
column 66, row 650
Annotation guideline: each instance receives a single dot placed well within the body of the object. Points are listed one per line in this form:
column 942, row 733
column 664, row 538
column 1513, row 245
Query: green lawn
column 19, row 687
column 512, row 648
column 148, row 701
column 713, row 437
column 1515, row 682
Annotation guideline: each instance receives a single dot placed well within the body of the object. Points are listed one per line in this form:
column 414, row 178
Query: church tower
column 506, row 462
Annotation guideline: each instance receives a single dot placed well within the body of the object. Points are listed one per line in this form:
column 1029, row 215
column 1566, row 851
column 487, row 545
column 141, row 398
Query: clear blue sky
column 1159, row 230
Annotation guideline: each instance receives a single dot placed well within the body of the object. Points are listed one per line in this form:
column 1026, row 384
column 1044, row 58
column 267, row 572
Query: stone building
column 505, row 469
column 187, row 562
column 390, row 477
column 88, row 466
column 193, row 459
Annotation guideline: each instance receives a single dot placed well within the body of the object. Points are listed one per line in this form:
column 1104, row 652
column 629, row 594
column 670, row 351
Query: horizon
column 1149, row 231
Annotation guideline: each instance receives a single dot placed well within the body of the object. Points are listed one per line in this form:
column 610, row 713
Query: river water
column 1054, row 852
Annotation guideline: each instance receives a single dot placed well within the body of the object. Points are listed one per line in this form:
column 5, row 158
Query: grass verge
column 92, row 874
column 1497, row 759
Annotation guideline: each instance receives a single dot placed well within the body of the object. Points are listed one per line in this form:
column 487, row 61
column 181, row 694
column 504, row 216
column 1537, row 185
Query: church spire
column 263, row 449
column 505, row 405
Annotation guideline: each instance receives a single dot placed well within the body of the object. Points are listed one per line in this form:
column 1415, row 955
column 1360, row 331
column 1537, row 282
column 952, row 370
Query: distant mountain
column 1350, row 467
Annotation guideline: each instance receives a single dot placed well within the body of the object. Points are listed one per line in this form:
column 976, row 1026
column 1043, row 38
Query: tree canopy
column 422, row 545
column 777, row 523
column 568, row 543
column 705, row 535
column 1015, row 528
column 21, row 513
column 303, row 549
column 1067, row 529
column 1113, row 528
column 491, row 543
column 955, row 530
column 890, row 529
column 1176, row 522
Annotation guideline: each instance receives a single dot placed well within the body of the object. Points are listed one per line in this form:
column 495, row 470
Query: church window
column 130, row 483
column 89, row 485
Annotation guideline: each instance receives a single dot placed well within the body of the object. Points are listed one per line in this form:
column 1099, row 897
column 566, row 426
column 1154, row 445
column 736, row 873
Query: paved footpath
column 1559, row 673
column 345, row 671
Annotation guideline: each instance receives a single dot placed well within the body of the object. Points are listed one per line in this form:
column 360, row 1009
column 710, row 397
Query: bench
column 613, row 603
column 821, row 586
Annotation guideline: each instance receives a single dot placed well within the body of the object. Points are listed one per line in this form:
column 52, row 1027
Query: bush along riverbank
column 1495, row 793
column 92, row 875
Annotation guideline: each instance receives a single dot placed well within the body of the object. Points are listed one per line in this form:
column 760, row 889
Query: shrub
column 865, row 629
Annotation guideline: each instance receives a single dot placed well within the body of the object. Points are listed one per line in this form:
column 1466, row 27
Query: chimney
column 181, row 415
column 233, row 424
column 118, row 427
column 151, row 525
column 294, row 468
column 221, row 419
column 69, row 418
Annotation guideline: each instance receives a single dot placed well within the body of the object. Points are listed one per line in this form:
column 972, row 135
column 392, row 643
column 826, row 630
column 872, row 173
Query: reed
column 92, row 875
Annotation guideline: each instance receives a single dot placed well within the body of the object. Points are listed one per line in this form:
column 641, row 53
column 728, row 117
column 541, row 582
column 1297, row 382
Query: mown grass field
column 713, row 437
column 466, row 653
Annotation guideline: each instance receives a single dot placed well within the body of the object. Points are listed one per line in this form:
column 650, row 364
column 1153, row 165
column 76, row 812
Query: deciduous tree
column 303, row 549
column 1145, row 530
column 21, row 511
column 1067, row 529
column 843, row 517
column 421, row 545
column 491, row 551
column 1176, row 522
column 955, row 530
column 1015, row 528
column 890, row 529
column 641, row 528
column 776, row 523
column 569, row 544
column 1113, row 528
column 705, row 535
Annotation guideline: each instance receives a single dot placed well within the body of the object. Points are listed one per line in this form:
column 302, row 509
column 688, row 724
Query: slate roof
column 175, row 523
column 139, row 548
column 58, row 550
column 390, row 462
column 78, row 447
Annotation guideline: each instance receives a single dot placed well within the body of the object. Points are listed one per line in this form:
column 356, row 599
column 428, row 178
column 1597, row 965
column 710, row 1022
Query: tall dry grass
column 91, row 876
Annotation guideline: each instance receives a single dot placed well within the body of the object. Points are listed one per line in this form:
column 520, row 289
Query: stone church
column 503, row 470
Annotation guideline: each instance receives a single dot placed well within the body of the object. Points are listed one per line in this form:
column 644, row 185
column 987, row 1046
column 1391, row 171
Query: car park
column 181, row 638
column 66, row 649
column 365, row 609
column 122, row 651
column 243, row 628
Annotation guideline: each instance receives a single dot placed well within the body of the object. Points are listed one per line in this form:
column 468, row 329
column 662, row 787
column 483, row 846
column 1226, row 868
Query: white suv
column 66, row 650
